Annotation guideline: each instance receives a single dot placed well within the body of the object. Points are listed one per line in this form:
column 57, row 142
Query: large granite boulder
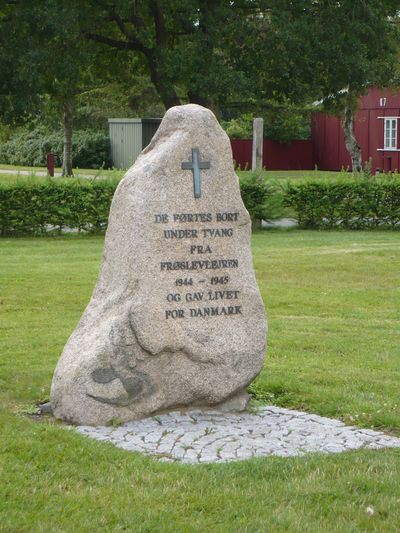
column 176, row 318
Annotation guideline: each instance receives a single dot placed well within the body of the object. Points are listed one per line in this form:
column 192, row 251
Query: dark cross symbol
column 195, row 165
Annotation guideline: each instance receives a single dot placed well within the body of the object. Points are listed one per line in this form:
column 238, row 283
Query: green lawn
column 334, row 349
column 299, row 174
column 78, row 171
column 34, row 173
column 270, row 174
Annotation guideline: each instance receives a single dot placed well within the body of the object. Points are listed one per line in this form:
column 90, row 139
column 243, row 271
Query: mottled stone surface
column 176, row 318
column 213, row 437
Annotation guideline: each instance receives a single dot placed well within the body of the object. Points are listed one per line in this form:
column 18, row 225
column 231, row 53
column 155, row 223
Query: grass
column 333, row 305
column 333, row 299
column 78, row 171
column 12, row 173
column 299, row 174
column 115, row 173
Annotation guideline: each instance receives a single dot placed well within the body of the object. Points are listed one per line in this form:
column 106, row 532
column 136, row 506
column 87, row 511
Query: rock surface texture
column 176, row 318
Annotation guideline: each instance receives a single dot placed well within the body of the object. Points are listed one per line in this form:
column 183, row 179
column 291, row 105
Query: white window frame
column 390, row 134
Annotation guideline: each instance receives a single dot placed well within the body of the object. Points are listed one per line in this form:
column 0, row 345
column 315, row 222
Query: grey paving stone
column 212, row 437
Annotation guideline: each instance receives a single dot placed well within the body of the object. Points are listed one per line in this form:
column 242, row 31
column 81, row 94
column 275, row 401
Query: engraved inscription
column 217, row 296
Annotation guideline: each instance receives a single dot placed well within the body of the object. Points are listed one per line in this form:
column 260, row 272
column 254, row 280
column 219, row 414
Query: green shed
column 128, row 137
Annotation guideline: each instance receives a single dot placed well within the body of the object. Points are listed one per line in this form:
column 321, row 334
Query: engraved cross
column 195, row 165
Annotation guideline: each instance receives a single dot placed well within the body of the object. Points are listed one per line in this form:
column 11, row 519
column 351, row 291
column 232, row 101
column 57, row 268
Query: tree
column 184, row 45
column 18, row 84
column 52, row 58
column 336, row 50
column 64, row 66
column 257, row 55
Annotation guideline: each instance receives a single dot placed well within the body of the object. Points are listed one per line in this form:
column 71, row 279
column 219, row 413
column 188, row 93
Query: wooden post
column 258, row 140
column 67, row 151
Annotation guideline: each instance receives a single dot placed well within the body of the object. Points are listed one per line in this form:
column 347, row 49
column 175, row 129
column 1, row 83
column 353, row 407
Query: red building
column 376, row 129
column 296, row 155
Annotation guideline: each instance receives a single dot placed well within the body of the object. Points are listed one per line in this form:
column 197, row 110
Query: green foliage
column 40, row 206
column 29, row 148
column 36, row 208
column 324, row 47
column 24, row 148
column 348, row 204
column 285, row 51
column 5, row 132
column 240, row 127
column 132, row 99
column 287, row 123
column 91, row 150
column 263, row 197
column 282, row 123
column 255, row 192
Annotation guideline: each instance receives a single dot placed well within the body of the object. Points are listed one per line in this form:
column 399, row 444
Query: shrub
column 282, row 123
column 29, row 148
column 36, row 208
column 348, row 204
column 287, row 123
column 240, row 127
column 263, row 198
column 91, row 150
column 255, row 191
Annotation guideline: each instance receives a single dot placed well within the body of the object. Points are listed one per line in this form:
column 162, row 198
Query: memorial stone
column 176, row 318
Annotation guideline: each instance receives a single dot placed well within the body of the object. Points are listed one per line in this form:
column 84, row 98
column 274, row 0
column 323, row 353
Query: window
column 390, row 134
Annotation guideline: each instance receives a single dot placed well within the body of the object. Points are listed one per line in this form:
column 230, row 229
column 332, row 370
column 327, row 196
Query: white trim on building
column 390, row 127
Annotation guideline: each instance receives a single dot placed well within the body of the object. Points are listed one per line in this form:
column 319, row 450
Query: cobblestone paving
column 214, row 437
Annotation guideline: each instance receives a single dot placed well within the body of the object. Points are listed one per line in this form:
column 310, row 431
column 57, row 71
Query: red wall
column 326, row 148
column 296, row 155
column 327, row 137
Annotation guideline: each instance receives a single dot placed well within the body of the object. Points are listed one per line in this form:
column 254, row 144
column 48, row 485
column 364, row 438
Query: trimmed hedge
column 255, row 191
column 349, row 204
column 53, row 204
column 37, row 208
column 83, row 205
column 29, row 148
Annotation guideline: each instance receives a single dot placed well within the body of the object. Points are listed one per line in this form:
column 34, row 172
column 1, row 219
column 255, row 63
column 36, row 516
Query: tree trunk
column 154, row 55
column 256, row 223
column 200, row 93
column 163, row 86
column 350, row 140
column 168, row 95
column 67, row 151
column 195, row 98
